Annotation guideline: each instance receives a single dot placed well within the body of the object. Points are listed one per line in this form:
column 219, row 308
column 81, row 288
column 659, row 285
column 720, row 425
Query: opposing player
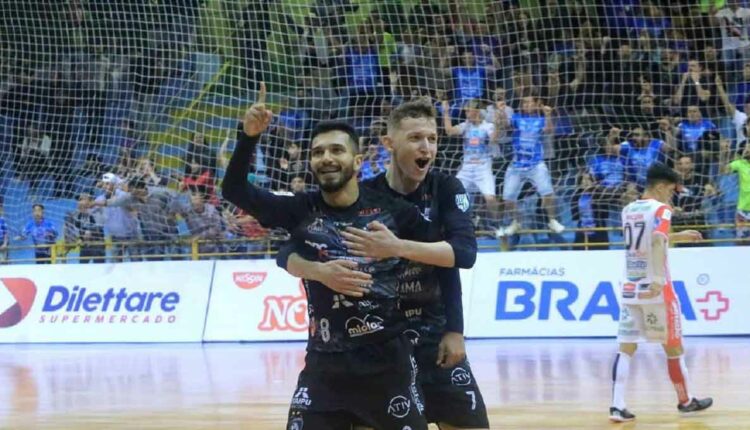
column 432, row 296
column 359, row 367
column 650, row 308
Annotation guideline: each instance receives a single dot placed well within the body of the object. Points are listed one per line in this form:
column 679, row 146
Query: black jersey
column 432, row 295
column 337, row 323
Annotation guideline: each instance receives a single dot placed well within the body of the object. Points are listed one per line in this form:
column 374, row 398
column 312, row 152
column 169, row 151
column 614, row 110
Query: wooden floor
column 527, row 384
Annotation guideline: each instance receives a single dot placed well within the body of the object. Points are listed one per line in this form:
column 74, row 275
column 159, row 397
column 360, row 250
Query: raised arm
column 549, row 125
column 450, row 130
column 270, row 209
column 728, row 105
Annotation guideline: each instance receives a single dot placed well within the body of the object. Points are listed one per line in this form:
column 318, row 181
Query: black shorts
column 385, row 399
column 451, row 396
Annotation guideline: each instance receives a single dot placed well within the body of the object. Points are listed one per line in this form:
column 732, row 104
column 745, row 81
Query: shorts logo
column 301, row 398
column 248, row 280
column 462, row 202
column 356, row 326
column 652, row 319
column 24, row 292
column 296, row 424
column 412, row 335
column 460, row 377
column 399, row 407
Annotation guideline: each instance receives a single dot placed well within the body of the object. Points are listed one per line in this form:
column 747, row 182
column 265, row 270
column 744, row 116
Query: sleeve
column 120, row 199
column 663, row 221
column 734, row 166
column 282, row 257
column 489, row 128
column 28, row 228
column 458, row 228
column 461, row 128
column 739, row 119
column 450, row 296
column 270, row 209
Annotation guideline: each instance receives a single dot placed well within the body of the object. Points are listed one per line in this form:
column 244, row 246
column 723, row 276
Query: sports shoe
column 696, row 405
column 620, row 415
column 556, row 227
column 509, row 230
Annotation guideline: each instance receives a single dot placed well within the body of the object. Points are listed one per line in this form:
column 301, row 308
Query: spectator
column 290, row 164
column 739, row 92
column 639, row 152
column 741, row 167
column 298, row 184
column 42, row 233
column 156, row 208
column 199, row 152
column 479, row 148
column 84, row 230
column 34, row 160
column 698, row 137
column 120, row 222
column 469, row 82
column 205, row 224
column 4, row 237
column 696, row 88
column 492, row 111
column 691, row 202
column 739, row 117
column 607, row 170
column 589, row 214
column 530, row 127
column 144, row 169
column 241, row 225
column 363, row 77
column 734, row 21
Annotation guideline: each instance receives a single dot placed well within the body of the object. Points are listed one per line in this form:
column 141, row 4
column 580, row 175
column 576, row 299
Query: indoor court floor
column 527, row 384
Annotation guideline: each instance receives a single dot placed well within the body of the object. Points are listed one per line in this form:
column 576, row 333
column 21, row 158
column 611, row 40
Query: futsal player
column 431, row 295
column 650, row 308
column 359, row 367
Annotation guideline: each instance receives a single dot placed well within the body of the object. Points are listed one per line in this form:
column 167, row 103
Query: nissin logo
column 24, row 293
column 519, row 300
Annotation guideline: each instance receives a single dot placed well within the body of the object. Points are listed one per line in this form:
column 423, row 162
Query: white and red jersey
column 642, row 220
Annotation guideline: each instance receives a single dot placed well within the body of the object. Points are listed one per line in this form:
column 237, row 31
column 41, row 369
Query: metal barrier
column 267, row 246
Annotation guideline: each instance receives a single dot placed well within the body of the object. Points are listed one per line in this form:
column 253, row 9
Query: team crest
column 462, row 202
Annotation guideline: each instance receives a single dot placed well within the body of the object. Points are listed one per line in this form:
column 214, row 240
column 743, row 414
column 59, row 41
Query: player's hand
column 376, row 242
column 343, row 277
column 547, row 110
column 653, row 291
column 451, row 350
column 257, row 118
column 445, row 105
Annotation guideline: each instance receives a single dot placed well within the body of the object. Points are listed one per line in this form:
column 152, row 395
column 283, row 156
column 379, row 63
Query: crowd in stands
column 540, row 108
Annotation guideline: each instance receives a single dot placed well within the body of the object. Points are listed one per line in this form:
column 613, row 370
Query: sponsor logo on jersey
column 297, row 423
column 462, row 202
column 412, row 335
column 249, row 280
column 340, row 300
column 666, row 215
column 317, row 226
column 409, row 287
column 410, row 313
column 357, row 327
column 399, row 407
column 460, row 377
column 369, row 211
column 301, row 398
column 412, row 271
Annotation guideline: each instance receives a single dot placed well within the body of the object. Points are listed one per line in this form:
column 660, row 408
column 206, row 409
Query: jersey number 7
column 640, row 226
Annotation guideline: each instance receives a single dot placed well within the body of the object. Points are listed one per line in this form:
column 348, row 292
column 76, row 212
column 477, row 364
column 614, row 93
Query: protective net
column 549, row 111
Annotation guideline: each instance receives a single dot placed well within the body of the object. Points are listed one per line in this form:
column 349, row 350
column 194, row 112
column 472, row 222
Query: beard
column 336, row 183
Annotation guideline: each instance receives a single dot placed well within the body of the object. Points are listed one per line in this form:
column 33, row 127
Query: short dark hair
column 659, row 173
column 417, row 108
column 334, row 125
column 37, row 205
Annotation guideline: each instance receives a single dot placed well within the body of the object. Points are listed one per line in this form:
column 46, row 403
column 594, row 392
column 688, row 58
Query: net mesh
column 153, row 90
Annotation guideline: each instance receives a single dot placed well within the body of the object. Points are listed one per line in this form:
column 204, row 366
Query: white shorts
column 515, row 178
column 656, row 323
column 477, row 178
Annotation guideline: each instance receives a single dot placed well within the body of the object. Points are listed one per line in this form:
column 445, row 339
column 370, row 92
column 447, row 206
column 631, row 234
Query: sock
column 620, row 372
column 679, row 376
